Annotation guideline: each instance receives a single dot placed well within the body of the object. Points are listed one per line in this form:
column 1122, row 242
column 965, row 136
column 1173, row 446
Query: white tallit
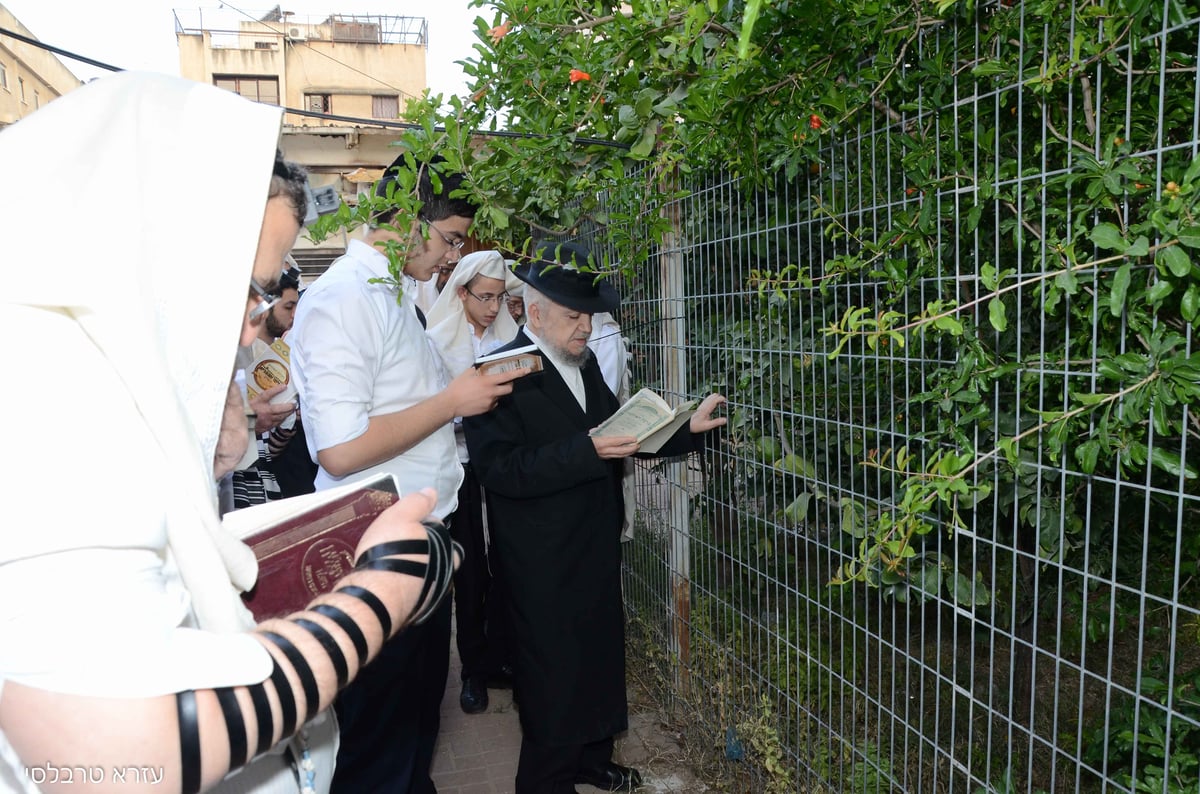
column 448, row 325
column 133, row 205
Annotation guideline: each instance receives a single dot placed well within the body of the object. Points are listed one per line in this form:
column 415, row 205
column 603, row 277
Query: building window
column 385, row 107
column 37, row 99
column 21, row 86
column 3, row 77
column 260, row 89
column 318, row 103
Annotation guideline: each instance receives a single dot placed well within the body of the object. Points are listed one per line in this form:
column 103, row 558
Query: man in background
column 555, row 493
column 272, row 425
column 376, row 399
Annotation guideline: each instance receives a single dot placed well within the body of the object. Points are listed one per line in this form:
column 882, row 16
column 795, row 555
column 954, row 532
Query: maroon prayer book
column 304, row 548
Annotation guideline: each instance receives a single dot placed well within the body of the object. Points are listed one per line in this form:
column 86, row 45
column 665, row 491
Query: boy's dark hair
column 435, row 206
column 290, row 279
column 289, row 179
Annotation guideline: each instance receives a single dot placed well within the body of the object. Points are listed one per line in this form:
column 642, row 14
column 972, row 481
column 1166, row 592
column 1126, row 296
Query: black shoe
column 474, row 697
column 501, row 678
column 610, row 777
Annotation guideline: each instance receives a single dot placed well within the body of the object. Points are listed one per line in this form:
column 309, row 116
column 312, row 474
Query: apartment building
column 29, row 76
column 337, row 73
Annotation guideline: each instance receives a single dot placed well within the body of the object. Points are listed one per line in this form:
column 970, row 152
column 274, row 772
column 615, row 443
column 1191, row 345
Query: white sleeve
column 336, row 347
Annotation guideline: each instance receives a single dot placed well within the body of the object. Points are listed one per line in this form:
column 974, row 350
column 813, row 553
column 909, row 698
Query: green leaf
column 949, row 324
column 1067, row 281
column 645, row 144
column 1190, row 236
column 996, row 315
column 854, row 517
column 768, row 448
column 1086, row 454
column 928, row 580
column 1189, row 305
column 794, row 464
column 1120, row 286
column 628, row 117
column 1108, row 236
column 498, row 217
column 1171, row 463
column 968, row 593
column 1139, row 247
column 1158, row 292
column 1193, row 171
column 753, row 8
column 987, row 276
column 1175, row 260
column 645, row 102
column 988, row 68
column 797, row 511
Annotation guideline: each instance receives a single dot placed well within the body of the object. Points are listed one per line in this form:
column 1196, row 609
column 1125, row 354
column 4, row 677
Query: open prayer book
column 526, row 357
column 306, row 543
column 647, row 417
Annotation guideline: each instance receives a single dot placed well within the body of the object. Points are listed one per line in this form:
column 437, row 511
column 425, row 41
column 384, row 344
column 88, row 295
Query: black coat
column 557, row 511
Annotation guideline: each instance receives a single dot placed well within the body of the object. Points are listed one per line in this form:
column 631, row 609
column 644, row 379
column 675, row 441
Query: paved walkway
column 477, row 753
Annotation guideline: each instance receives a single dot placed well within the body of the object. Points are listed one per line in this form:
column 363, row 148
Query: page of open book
column 644, row 413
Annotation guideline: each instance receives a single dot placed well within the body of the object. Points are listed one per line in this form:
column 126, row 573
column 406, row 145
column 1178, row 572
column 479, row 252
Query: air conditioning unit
column 296, row 34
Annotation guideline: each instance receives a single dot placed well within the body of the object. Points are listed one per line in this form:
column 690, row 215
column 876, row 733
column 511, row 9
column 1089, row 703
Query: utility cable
column 59, row 51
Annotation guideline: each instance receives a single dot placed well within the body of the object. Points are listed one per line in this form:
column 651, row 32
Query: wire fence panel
column 947, row 542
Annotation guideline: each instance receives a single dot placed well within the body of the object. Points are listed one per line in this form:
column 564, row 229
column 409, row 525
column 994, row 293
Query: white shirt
column 483, row 346
column 611, row 354
column 357, row 353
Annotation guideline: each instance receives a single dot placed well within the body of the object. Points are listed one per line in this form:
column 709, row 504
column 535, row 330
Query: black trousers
column 551, row 770
column 391, row 713
column 480, row 606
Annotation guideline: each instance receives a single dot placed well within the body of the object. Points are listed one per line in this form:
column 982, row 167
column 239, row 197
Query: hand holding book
column 651, row 421
column 648, row 418
column 307, row 544
column 703, row 420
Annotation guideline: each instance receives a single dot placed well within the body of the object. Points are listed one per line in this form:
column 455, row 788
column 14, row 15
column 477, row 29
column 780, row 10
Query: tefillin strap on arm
column 346, row 624
column 231, row 710
column 189, row 740
column 336, row 657
column 437, row 574
column 308, row 681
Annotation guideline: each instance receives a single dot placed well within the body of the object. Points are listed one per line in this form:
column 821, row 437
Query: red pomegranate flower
column 500, row 31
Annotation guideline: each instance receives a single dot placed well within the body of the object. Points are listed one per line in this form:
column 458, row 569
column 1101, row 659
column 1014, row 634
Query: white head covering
column 448, row 325
column 176, row 174
column 513, row 285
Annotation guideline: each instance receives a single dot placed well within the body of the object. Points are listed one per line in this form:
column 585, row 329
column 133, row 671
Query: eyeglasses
column 265, row 301
column 455, row 245
column 496, row 299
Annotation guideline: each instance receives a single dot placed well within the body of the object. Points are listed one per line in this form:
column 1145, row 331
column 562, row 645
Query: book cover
column 306, row 544
column 270, row 369
column 527, row 357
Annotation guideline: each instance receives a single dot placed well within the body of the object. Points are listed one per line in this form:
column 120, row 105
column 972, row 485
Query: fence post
column 673, row 307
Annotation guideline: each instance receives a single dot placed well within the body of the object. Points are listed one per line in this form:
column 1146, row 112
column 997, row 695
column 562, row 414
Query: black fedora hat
column 552, row 272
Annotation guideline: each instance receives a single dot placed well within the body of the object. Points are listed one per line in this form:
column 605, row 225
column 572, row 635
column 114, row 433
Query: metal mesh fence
column 1042, row 632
